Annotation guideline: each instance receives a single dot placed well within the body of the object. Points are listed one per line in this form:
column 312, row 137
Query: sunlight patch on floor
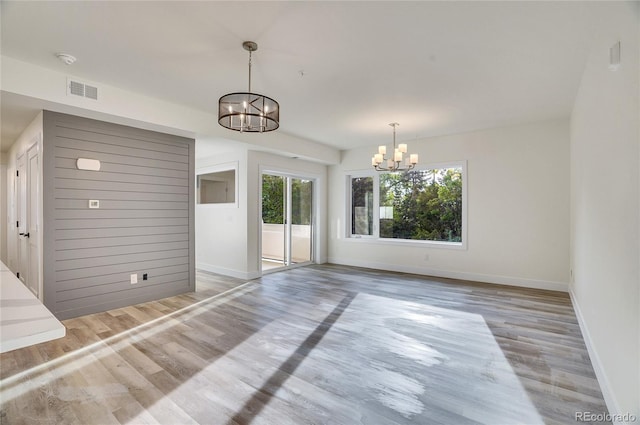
column 452, row 355
column 35, row 377
column 409, row 360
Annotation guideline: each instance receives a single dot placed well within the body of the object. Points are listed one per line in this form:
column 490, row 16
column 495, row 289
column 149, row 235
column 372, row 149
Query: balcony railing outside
column 273, row 242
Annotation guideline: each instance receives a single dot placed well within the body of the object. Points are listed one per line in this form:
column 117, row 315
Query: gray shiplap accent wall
column 145, row 223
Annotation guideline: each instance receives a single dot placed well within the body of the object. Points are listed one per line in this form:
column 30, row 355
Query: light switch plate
column 614, row 57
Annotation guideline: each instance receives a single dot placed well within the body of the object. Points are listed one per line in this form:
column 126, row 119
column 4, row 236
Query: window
column 362, row 206
column 217, row 185
column 217, row 188
column 273, row 189
column 419, row 205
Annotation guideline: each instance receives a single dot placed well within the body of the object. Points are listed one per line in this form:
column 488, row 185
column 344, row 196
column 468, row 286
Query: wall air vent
column 90, row 92
column 77, row 88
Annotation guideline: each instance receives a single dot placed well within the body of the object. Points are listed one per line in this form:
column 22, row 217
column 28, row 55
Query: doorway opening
column 27, row 192
column 287, row 229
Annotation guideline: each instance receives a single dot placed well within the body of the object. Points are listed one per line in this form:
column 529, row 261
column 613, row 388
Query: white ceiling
column 341, row 70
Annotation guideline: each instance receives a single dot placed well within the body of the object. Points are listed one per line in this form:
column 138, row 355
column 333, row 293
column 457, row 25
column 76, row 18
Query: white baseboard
column 605, row 385
column 228, row 272
column 477, row 277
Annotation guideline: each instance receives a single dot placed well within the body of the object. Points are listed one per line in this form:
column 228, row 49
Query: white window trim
column 227, row 166
column 375, row 238
column 376, row 201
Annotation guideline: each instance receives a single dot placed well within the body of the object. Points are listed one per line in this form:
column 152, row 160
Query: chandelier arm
column 253, row 103
column 394, row 168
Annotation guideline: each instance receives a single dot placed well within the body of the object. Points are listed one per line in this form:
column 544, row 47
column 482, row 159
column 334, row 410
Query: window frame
column 217, row 168
column 375, row 237
column 376, row 201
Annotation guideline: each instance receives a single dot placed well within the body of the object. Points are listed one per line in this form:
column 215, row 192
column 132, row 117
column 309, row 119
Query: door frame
column 28, row 214
column 33, row 219
column 314, row 178
column 22, row 247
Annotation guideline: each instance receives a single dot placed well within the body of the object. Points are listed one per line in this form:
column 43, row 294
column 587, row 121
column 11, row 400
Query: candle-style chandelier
column 246, row 111
column 394, row 163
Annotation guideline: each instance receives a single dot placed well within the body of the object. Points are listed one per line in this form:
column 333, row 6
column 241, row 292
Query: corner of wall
column 598, row 367
column 605, row 247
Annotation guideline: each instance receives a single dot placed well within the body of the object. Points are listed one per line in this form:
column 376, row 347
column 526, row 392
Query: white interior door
column 22, row 270
column 33, row 207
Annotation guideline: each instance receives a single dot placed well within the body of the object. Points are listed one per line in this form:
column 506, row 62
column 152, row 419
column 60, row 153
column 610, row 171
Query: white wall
column 128, row 108
column 3, row 208
column 605, row 213
column 228, row 237
column 262, row 161
column 221, row 229
column 518, row 209
column 32, row 133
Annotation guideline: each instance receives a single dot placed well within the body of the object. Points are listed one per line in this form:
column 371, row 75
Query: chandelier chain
column 250, row 70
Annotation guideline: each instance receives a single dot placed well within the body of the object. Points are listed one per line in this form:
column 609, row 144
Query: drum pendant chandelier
column 246, row 111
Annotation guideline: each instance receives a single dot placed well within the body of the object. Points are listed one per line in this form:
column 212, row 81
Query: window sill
column 406, row 242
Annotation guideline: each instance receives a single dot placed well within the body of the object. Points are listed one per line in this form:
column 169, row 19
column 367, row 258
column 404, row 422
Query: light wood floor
column 313, row 345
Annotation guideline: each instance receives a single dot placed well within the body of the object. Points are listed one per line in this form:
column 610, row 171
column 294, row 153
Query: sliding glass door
column 287, row 221
column 301, row 223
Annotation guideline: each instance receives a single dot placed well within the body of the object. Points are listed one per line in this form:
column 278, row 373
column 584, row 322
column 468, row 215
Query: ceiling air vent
column 76, row 88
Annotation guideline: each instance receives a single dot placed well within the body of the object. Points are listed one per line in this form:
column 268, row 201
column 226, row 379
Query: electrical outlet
column 134, row 278
column 144, row 276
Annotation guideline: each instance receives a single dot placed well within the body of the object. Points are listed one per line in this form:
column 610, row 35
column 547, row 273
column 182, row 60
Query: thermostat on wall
column 94, row 203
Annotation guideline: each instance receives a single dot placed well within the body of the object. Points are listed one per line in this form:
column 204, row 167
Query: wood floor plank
column 314, row 345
